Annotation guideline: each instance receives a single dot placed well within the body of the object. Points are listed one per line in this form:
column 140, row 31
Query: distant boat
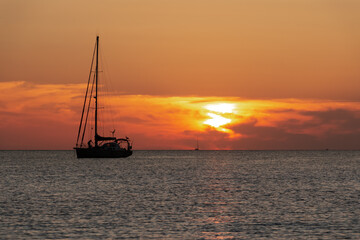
column 102, row 147
column 197, row 145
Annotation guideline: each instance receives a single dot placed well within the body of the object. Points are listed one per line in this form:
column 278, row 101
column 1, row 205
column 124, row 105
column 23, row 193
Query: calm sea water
column 181, row 195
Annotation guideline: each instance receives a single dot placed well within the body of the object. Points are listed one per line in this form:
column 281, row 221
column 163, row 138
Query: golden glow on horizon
column 34, row 113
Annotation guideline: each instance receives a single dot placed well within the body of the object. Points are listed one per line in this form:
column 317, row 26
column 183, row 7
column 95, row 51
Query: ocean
column 181, row 195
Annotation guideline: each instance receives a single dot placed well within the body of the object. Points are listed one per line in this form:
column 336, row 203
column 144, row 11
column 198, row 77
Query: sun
column 221, row 107
column 217, row 119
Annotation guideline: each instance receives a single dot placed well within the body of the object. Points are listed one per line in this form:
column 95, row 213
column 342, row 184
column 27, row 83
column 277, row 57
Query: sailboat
column 102, row 147
column 197, row 145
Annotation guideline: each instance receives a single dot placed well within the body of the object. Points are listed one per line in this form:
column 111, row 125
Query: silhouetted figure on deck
column 90, row 143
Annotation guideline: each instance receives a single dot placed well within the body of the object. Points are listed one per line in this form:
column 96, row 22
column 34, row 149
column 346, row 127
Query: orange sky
column 288, row 70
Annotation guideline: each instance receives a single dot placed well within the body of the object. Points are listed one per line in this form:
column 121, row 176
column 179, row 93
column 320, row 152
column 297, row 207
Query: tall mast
column 96, row 89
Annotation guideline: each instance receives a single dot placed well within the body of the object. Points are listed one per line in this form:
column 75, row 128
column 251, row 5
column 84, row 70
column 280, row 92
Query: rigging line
column 87, row 113
column 101, row 93
column 87, row 89
column 91, row 129
column 107, row 84
column 107, row 107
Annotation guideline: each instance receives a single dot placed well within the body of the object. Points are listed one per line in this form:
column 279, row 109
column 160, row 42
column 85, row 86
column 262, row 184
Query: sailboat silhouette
column 197, row 145
column 104, row 147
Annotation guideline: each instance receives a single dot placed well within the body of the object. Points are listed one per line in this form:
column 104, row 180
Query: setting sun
column 216, row 113
column 221, row 107
column 216, row 120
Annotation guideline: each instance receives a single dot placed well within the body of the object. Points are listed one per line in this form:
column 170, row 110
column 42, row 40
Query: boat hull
column 102, row 153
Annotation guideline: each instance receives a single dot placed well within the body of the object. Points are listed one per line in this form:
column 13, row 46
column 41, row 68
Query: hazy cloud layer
column 34, row 116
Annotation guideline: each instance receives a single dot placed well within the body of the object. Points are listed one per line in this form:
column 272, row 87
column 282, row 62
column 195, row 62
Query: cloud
column 38, row 116
column 265, row 137
column 343, row 120
column 328, row 128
